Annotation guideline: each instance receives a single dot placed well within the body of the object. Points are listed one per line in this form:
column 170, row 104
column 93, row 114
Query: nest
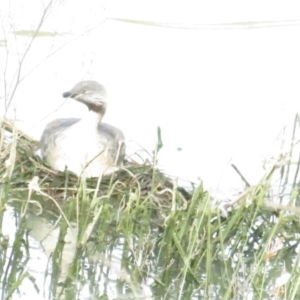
column 20, row 164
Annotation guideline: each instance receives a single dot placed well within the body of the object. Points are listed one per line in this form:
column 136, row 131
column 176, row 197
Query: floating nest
column 20, row 164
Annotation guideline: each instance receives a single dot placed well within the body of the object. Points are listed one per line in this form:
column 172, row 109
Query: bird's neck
column 91, row 119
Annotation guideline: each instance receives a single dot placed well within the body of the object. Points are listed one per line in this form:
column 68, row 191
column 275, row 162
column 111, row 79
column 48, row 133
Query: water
column 220, row 96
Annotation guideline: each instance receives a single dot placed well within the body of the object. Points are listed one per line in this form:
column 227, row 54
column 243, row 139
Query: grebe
column 84, row 145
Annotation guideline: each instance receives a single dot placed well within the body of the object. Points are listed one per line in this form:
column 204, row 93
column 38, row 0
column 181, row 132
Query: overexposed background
column 221, row 79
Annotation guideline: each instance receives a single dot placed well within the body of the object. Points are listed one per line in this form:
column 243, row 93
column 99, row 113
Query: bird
column 87, row 145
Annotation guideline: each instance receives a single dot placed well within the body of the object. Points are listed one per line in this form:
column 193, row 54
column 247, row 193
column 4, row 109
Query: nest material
column 25, row 165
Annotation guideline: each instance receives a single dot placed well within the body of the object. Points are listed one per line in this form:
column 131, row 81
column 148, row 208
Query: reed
column 141, row 234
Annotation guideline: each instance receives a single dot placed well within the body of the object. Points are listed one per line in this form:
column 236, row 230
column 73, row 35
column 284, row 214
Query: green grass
column 176, row 244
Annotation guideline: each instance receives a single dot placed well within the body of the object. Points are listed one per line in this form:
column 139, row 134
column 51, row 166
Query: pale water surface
column 221, row 94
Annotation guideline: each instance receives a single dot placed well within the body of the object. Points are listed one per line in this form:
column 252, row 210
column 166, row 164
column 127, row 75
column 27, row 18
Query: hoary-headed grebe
column 84, row 145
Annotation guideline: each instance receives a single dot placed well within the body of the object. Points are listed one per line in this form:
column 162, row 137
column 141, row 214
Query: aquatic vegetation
column 170, row 243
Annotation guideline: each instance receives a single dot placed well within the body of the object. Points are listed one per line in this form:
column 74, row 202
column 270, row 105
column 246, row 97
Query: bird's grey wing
column 60, row 124
column 115, row 141
column 52, row 130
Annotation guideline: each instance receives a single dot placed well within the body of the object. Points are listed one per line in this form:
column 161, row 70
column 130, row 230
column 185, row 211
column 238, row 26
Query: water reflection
column 100, row 267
